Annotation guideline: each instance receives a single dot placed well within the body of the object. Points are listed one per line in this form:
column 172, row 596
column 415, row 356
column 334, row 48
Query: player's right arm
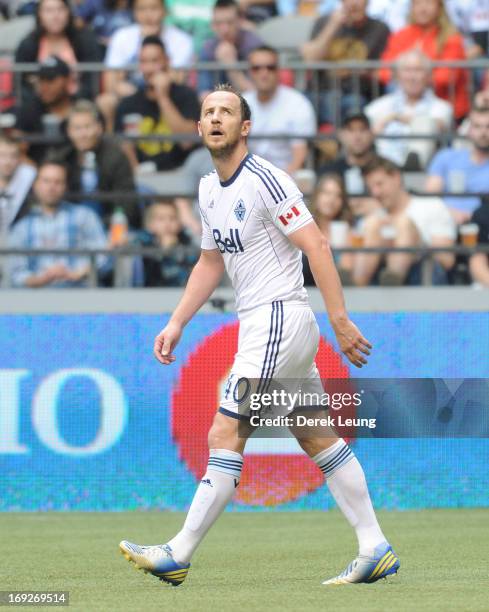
column 203, row 280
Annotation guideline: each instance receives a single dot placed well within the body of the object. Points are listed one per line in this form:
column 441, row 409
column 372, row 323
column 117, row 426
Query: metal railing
column 356, row 76
column 425, row 256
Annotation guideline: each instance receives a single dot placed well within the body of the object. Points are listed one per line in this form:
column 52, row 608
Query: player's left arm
column 314, row 245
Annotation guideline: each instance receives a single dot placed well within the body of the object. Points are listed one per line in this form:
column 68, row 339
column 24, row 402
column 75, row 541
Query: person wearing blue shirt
column 53, row 223
column 463, row 171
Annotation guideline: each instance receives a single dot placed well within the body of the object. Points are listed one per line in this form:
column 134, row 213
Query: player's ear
column 199, row 128
column 245, row 128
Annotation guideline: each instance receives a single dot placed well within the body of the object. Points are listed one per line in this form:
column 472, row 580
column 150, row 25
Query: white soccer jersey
column 248, row 218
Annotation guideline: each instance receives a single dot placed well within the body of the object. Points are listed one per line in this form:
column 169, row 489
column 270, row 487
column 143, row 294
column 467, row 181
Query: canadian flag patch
column 289, row 215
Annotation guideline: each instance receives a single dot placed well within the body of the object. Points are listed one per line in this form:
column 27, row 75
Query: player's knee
column 224, row 433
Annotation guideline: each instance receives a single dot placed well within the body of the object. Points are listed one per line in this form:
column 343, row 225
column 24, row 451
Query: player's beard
column 225, row 150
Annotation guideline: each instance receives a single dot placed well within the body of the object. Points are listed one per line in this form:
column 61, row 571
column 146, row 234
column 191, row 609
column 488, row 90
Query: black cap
column 53, row 67
column 355, row 116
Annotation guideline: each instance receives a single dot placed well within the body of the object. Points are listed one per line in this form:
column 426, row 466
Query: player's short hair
column 380, row 163
column 153, row 40
column 85, row 107
column 226, row 4
column 245, row 107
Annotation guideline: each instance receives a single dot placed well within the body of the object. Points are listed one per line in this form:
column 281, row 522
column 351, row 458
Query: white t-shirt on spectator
column 393, row 13
column 288, row 112
column 432, row 218
column 124, row 46
column 428, row 107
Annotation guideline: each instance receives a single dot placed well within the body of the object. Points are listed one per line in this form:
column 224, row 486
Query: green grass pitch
column 250, row 562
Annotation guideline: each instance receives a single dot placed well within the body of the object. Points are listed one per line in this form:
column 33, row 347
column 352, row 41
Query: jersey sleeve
column 207, row 243
column 281, row 201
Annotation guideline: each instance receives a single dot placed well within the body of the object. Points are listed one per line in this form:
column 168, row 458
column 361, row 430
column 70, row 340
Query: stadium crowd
column 77, row 146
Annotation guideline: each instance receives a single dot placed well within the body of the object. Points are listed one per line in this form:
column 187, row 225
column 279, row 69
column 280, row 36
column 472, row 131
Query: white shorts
column 276, row 341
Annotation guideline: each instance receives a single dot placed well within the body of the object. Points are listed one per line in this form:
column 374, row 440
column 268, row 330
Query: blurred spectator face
column 329, row 199
column 264, row 71
column 52, row 91
column 152, row 60
column 225, row 23
column 479, row 130
column 356, row 137
column 162, row 220
column 54, row 16
column 149, row 14
column 221, row 125
column 9, row 160
column 384, row 187
column 413, row 76
column 84, row 131
column 425, row 12
column 50, row 185
column 356, row 10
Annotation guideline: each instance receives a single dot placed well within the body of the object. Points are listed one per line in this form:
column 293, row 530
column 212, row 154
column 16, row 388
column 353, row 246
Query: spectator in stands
column 479, row 263
column 53, row 223
column 124, row 48
column 179, row 253
column 412, row 108
column 403, row 221
column 463, row 170
column 230, row 44
column 44, row 111
column 104, row 16
column 392, row 12
column 16, row 179
column 331, row 211
column 56, row 34
column 96, row 162
column 431, row 31
column 348, row 34
column 192, row 17
column 160, row 107
column 358, row 148
column 470, row 17
column 277, row 109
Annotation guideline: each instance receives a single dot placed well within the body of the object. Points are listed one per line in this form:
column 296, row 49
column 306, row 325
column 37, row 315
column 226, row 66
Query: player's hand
column 165, row 342
column 351, row 341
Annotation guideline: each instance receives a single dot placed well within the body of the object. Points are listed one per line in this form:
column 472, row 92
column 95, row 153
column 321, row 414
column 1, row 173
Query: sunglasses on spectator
column 269, row 67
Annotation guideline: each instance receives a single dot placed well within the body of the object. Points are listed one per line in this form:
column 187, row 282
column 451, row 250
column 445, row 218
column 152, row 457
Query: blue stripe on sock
column 330, row 460
column 229, row 462
column 338, row 458
column 337, row 464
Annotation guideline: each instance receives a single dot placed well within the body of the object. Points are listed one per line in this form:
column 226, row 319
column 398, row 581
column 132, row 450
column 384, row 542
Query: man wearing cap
column 357, row 142
column 44, row 112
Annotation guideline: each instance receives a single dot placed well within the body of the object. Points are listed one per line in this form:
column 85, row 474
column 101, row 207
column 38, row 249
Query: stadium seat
column 13, row 31
column 287, row 32
column 171, row 182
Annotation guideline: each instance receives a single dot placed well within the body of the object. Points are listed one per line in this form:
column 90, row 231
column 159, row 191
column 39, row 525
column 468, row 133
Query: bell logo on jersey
column 228, row 245
column 289, row 215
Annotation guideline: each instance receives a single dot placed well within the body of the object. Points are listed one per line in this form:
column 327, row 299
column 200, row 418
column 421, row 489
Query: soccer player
column 255, row 224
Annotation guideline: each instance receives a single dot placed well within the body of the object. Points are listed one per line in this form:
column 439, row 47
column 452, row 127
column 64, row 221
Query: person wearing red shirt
column 431, row 31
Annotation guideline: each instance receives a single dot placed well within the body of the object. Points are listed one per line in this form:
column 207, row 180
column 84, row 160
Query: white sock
column 346, row 481
column 214, row 492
